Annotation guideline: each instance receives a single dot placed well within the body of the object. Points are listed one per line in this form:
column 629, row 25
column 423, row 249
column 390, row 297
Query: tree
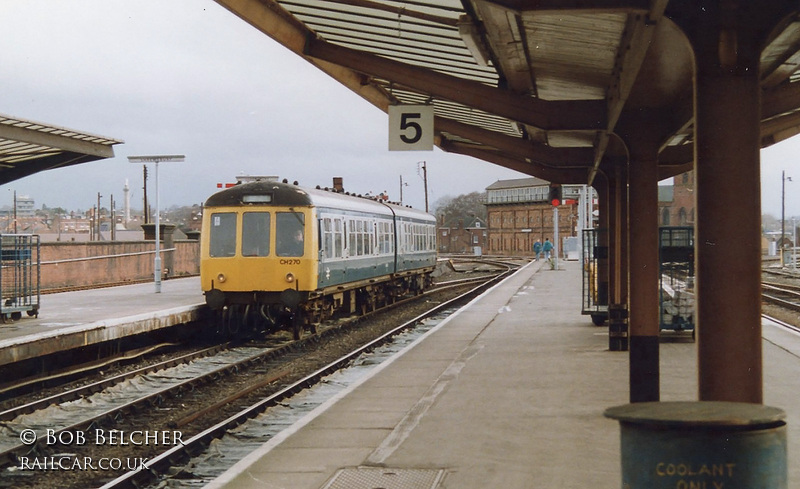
column 461, row 210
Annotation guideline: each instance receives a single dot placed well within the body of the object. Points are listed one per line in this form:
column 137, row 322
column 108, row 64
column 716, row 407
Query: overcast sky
column 188, row 77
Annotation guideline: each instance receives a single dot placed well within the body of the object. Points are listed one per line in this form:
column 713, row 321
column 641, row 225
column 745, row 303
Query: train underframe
column 249, row 314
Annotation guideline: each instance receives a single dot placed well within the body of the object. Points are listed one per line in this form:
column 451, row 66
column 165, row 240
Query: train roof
column 272, row 193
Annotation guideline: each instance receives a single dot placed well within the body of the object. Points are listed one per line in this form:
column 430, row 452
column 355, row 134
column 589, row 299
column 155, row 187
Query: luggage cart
column 676, row 263
column 19, row 276
column 595, row 291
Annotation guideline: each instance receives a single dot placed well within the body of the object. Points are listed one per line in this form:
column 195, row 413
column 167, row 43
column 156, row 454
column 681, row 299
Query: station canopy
column 28, row 147
column 538, row 86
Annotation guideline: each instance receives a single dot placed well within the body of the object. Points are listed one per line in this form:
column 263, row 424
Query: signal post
column 555, row 201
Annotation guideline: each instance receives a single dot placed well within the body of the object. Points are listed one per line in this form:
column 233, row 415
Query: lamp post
column 156, row 159
column 401, row 189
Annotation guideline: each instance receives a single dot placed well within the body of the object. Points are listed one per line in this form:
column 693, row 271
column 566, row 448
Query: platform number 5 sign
column 411, row 128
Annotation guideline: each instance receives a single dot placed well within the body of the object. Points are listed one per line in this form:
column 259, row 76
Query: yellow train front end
column 249, row 255
column 259, row 254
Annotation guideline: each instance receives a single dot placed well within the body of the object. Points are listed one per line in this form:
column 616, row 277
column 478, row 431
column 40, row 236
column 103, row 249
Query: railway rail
column 60, row 373
column 195, row 442
column 85, row 390
column 783, row 324
column 784, row 295
column 13, row 452
column 162, row 463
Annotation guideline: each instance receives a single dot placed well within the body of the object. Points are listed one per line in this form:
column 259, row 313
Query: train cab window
column 290, row 235
column 223, row 234
column 255, row 233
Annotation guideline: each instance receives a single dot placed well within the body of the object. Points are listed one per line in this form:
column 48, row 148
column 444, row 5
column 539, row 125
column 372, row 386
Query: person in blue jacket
column 537, row 250
column 547, row 248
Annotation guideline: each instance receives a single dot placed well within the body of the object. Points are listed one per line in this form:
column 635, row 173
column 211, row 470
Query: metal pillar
column 618, row 262
column 643, row 320
column 157, row 261
column 728, row 213
column 602, row 239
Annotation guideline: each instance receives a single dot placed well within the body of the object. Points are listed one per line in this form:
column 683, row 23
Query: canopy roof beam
column 547, row 115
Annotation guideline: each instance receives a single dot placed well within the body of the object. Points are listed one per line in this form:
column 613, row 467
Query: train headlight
column 289, row 277
column 221, row 278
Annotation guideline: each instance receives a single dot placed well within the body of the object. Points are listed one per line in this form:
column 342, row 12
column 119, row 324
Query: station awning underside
column 28, row 147
column 543, row 87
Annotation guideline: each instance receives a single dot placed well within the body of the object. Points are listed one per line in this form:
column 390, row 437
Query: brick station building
column 519, row 213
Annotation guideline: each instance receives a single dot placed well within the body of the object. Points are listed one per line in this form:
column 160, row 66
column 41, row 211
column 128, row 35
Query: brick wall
column 98, row 263
column 514, row 228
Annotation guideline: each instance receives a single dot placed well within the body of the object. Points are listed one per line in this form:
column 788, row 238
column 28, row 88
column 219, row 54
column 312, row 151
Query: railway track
column 63, row 374
column 25, row 443
column 784, row 295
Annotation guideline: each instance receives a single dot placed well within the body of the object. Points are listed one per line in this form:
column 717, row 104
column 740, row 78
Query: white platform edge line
column 241, row 466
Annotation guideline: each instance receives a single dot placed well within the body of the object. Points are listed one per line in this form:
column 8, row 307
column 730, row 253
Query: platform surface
column 509, row 393
column 73, row 319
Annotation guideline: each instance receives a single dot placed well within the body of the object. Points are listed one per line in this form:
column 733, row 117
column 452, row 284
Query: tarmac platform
column 75, row 319
column 508, row 393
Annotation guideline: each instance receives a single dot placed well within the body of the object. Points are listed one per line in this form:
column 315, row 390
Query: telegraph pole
column 425, row 181
column 113, row 221
column 97, row 219
column 425, row 178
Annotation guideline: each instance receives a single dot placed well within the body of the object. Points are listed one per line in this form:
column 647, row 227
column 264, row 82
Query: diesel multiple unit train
column 275, row 255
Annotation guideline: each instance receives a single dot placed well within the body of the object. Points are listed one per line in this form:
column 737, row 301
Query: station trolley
column 19, row 276
column 676, row 267
column 595, row 290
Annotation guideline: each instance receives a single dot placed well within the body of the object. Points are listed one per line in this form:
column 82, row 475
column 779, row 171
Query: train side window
column 290, row 233
column 359, row 232
column 351, row 238
column 382, row 238
column 327, row 237
column 222, row 239
column 255, row 234
column 333, row 237
column 338, row 238
column 373, row 237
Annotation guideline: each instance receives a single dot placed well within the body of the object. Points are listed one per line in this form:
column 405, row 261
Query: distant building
column 471, row 239
column 25, row 206
column 676, row 202
column 519, row 214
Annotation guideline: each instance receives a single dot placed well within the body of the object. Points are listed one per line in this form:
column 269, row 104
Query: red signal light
column 555, row 194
